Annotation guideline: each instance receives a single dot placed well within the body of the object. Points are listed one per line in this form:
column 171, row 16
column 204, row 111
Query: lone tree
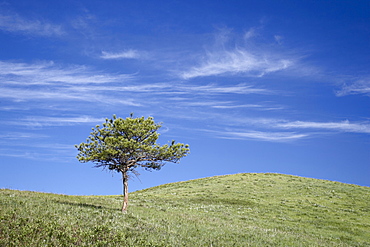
column 122, row 145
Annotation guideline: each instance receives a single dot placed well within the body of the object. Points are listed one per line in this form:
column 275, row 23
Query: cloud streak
column 46, row 81
column 237, row 61
column 18, row 24
column 41, row 121
column 13, row 136
column 277, row 130
column 262, row 136
column 361, row 86
column 45, row 152
column 127, row 54
column 232, row 89
column 340, row 126
column 307, row 126
column 229, row 56
column 344, row 126
column 44, row 73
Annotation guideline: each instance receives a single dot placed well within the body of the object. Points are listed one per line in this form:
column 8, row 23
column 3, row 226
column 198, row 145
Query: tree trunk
column 125, row 191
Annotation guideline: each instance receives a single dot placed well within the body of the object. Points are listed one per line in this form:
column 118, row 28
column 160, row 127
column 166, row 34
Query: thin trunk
column 125, row 191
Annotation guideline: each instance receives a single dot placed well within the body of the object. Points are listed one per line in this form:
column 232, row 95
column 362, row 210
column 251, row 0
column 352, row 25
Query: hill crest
column 248, row 209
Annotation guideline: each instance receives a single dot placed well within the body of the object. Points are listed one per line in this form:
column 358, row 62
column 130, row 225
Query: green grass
column 232, row 210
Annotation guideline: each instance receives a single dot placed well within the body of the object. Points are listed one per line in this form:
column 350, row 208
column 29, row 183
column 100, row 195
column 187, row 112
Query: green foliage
column 123, row 144
column 233, row 210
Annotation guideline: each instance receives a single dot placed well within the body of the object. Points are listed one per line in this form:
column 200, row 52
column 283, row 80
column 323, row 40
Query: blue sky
column 251, row 86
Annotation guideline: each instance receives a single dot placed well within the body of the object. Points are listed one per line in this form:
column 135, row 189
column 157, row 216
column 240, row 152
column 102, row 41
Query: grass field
column 232, row 210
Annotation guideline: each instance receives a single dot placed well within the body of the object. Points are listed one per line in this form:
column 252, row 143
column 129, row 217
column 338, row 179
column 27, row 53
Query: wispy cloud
column 229, row 56
column 218, row 89
column 36, row 151
column 232, row 105
column 48, row 81
column 268, row 136
column 31, row 145
column 173, row 88
column 16, row 23
column 279, row 39
column 344, row 126
column 268, row 130
column 237, row 61
column 65, row 94
column 360, row 86
column 49, row 73
column 252, row 32
column 40, row 121
column 341, row 126
column 279, row 130
column 20, row 136
column 127, row 54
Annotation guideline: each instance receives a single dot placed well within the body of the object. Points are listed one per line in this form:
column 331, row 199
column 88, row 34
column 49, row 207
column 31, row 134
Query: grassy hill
column 232, row 210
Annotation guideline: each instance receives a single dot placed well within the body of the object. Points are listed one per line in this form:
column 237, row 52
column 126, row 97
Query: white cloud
column 278, row 39
column 40, row 121
column 66, row 95
column 268, row 136
column 232, row 55
column 259, row 135
column 23, row 82
column 250, row 33
column 344, row 126
column 264, row 129
column 233, row 106
column 120, row 55
column 16, row 23
column 36, row 151
column 20, row 136
column 218, row 89
column 48, row 73
column 237, row 61
column 278, row 130
column 361, row 86
column 48, row 81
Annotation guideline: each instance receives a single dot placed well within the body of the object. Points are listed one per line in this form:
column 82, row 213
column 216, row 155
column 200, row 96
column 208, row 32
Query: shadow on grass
column 87, row 205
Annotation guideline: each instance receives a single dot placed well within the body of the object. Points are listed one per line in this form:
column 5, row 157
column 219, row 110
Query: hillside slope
column 231, row 210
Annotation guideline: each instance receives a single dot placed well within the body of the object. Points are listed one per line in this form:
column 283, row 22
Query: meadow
column 248, row 209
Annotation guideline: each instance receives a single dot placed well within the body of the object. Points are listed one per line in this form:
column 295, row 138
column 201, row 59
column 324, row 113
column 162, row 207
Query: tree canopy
column 122, row 145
